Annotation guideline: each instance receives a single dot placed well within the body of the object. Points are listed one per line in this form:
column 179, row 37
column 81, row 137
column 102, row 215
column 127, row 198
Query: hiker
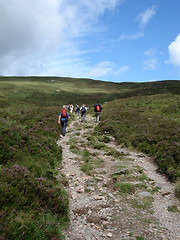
column 71, row 108
column 83, row 110
column 77, row 108
column 63, row 119
column 97, row 110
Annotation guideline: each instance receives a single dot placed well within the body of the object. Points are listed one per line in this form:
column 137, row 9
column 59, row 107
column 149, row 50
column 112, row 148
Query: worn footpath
column 114, row 193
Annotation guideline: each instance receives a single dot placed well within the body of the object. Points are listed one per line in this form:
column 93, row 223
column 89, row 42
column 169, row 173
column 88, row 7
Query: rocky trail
column 114, row 193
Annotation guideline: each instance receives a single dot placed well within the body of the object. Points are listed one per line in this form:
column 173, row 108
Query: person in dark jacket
column 97, row 110
column 77, row 109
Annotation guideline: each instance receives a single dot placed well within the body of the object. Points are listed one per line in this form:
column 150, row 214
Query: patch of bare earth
column 122, row 197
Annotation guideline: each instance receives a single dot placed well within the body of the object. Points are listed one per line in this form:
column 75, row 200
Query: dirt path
column 114, row 193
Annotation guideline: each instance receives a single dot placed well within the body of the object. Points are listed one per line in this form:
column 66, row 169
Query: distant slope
column 51, row 91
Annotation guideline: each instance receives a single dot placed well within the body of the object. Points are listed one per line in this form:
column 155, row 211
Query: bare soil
column 121, row 197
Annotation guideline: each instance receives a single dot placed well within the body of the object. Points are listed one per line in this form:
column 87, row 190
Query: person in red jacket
column 97, row 110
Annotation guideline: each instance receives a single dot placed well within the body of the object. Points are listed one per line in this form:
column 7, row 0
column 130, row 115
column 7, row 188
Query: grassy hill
column 51, row 91
column 140, row 115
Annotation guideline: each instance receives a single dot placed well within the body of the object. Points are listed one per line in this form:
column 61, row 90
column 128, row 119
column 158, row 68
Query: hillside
column 150, row 124
column 144, row 116
column 51, row 91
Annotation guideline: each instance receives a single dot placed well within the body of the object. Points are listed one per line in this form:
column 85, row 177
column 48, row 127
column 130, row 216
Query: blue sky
column 109, row 40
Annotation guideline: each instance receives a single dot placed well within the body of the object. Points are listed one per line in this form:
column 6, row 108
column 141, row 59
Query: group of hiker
column 64, row 115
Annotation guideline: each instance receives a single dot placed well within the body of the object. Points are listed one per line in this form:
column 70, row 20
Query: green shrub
column 99, row 145
column 125, row 187
column 139, row 238
column 85, row 156
column 173, row 208
column 21, row 192
column 87, row 168
column 74, row 149
column 45, row 225
column 113, row 152
column 178, row 190
column 104, row 139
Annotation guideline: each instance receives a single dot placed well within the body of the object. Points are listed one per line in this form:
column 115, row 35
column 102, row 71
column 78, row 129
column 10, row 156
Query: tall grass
column 150, row 124
column 30, row 193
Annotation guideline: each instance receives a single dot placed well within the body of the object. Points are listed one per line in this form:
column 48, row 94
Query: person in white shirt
column 71, row 108
column 83, row 110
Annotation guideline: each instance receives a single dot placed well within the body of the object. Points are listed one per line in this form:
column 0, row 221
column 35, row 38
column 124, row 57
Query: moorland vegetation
column 33, row 204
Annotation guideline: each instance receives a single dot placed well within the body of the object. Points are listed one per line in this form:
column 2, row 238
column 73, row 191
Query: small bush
column 85, row 156
column 173, row 208
column 139, row 238
column 99, row 145
column 125, row 187
column 21, row 192
column 178, row 190
column 73, row 147
column 104, row 139
column 31, row 191
column 87, row 168
column 145, row 203
column 113, row 152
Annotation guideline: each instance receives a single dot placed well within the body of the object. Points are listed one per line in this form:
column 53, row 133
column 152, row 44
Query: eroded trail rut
column 114, row 193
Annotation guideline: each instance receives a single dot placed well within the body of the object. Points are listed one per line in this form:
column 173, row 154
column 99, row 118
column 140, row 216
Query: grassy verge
column 149, row 124
column 33, row 204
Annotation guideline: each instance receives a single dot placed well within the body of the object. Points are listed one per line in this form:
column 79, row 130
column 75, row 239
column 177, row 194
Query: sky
column 109, row 40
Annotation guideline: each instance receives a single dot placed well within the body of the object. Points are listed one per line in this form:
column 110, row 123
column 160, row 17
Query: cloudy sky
column 110, row 40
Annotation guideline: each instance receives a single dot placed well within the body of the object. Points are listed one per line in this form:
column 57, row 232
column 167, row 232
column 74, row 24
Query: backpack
column 64, row 114
column 98, row 109
column 83, row 110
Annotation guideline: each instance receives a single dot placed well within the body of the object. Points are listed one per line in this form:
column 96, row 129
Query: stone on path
column 145, row 194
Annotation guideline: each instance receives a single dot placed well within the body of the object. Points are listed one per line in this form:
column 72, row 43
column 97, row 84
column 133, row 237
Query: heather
column 150, row 124
column 27, row 202
column 29, row 135
column 30, row 193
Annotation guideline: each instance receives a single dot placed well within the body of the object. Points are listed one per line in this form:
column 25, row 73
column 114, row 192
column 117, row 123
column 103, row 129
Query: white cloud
column 100, row 70
column 143, row 18
column 150, row 64
column 35, row 33
column 105, row 68
column 131, row 36
column 150, row 52
column 174, row 52
column 146, row 16
column 121, row 70
column 153, row 80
